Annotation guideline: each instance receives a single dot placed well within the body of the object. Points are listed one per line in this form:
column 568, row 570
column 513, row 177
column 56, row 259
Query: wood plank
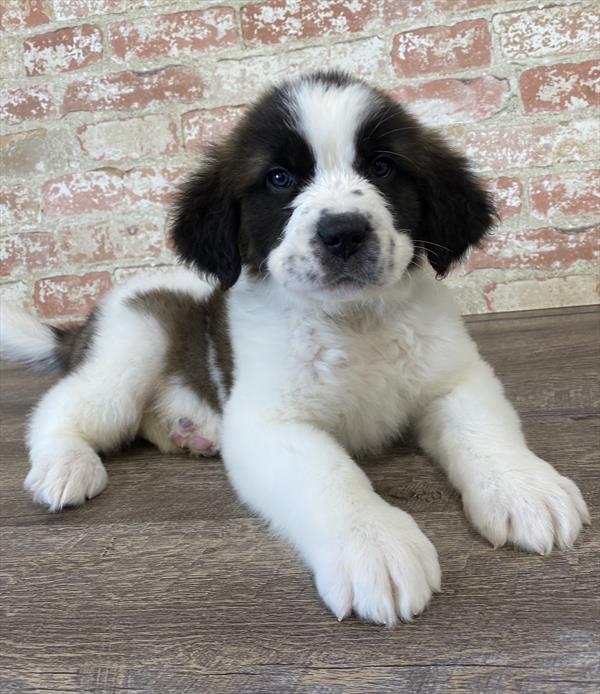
column 165, row 583
column 216, row 595
column 548, row 363
column 146, row 485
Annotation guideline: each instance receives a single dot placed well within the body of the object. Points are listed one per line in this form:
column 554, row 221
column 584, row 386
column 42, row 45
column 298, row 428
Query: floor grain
column 165, row 583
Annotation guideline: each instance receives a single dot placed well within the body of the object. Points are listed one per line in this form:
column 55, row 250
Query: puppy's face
column 345, row 204
column 332, row 190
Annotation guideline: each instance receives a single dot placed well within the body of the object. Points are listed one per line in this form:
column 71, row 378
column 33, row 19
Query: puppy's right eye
column 280, row 179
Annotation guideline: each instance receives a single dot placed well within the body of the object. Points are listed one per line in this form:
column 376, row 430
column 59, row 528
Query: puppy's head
column 331, row 189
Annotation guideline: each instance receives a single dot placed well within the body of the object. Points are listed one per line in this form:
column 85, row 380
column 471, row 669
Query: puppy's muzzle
column 343, row 234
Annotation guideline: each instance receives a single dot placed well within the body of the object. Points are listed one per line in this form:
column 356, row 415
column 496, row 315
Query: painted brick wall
column 105, row 104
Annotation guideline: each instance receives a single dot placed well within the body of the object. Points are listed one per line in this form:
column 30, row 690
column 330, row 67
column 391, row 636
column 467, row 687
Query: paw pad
column 186, row 435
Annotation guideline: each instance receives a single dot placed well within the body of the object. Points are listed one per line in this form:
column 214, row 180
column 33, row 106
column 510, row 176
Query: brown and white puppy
column 308, row 330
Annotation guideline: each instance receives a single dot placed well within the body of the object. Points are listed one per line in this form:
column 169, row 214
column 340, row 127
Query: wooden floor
column 165, row 583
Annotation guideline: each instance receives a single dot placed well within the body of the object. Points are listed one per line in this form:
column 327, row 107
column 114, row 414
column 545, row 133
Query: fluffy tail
column 27, row 340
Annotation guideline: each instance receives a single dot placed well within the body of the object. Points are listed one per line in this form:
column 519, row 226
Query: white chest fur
column 355, row 377
column 355, row 373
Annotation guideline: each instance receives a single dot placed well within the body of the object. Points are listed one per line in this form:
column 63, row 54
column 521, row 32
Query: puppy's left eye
column 381, row 167
column 280, row 179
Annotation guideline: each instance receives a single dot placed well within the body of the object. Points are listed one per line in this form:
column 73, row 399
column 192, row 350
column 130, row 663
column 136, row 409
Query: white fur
column 328, row 117
column 102, row 403
column 215, row 373
column 294, row 262
column 174, row 400
column 317, row 382
column 25, row 339
column 347, row 378
column 319, row 375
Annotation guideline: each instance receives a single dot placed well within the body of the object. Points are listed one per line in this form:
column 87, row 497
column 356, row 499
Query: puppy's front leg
column 508, row 493
column 365, row 554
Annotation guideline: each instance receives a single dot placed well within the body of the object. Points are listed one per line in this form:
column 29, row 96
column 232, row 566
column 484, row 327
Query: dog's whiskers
column 399, row 130
column 431, row 243
column 427, row 250
column 381, row 121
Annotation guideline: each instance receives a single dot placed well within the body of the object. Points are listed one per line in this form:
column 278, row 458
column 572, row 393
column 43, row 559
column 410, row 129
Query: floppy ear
column 205, row 223
column 456, row 211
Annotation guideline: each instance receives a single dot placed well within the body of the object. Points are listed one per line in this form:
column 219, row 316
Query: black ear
column 205, row 223
column 456, row 211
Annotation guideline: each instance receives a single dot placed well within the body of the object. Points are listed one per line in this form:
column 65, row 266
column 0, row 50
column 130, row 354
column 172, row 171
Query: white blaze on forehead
column 328, row 117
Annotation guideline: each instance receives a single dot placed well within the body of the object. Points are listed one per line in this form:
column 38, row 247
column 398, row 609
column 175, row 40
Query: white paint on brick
column 148, row 168
column 16, row 294
column 417, row 42
column 241, row 80
column 558, row 84
column 575, row 290
column 75, row 9
column 458, row 102
column 57, row 57
column 11, row 64
column 515, row 147
column 511, row 196
column 123, row 275
column 537, row 33
column 133, row 138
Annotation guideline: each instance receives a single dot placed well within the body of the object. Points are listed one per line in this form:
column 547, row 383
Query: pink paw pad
column 186, row 435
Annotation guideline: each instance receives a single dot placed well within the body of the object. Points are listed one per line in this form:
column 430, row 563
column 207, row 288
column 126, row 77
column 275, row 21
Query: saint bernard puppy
column 305, row 329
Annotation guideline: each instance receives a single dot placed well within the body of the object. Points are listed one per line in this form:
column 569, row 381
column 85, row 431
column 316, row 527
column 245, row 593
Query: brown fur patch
column 73, row 342
column 192, row 325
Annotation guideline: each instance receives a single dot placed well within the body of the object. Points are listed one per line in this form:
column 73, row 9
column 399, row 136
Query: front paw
column 529, row 505
column 382, row 567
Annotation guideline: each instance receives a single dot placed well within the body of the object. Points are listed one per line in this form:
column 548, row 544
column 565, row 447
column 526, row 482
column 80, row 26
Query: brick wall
column 105, row 104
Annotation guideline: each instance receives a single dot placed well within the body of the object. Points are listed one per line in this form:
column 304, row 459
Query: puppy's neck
column 369, row 310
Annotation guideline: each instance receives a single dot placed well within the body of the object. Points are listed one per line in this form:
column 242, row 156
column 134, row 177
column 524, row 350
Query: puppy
column 307, row 330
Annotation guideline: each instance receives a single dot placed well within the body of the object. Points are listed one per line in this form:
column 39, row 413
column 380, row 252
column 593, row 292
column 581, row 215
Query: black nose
column 343, row 234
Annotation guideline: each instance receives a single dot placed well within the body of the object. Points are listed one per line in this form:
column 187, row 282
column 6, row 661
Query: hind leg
column 156, row 431
column 95, row 408
column 65, row 473
column 181, row 419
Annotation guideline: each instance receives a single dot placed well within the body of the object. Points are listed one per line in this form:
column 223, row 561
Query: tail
column 26, row 340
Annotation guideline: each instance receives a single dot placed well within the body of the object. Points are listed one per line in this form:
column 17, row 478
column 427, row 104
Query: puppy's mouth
column 328, row 282
column 348, row 280
column 360, row 270
column 343, row 284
